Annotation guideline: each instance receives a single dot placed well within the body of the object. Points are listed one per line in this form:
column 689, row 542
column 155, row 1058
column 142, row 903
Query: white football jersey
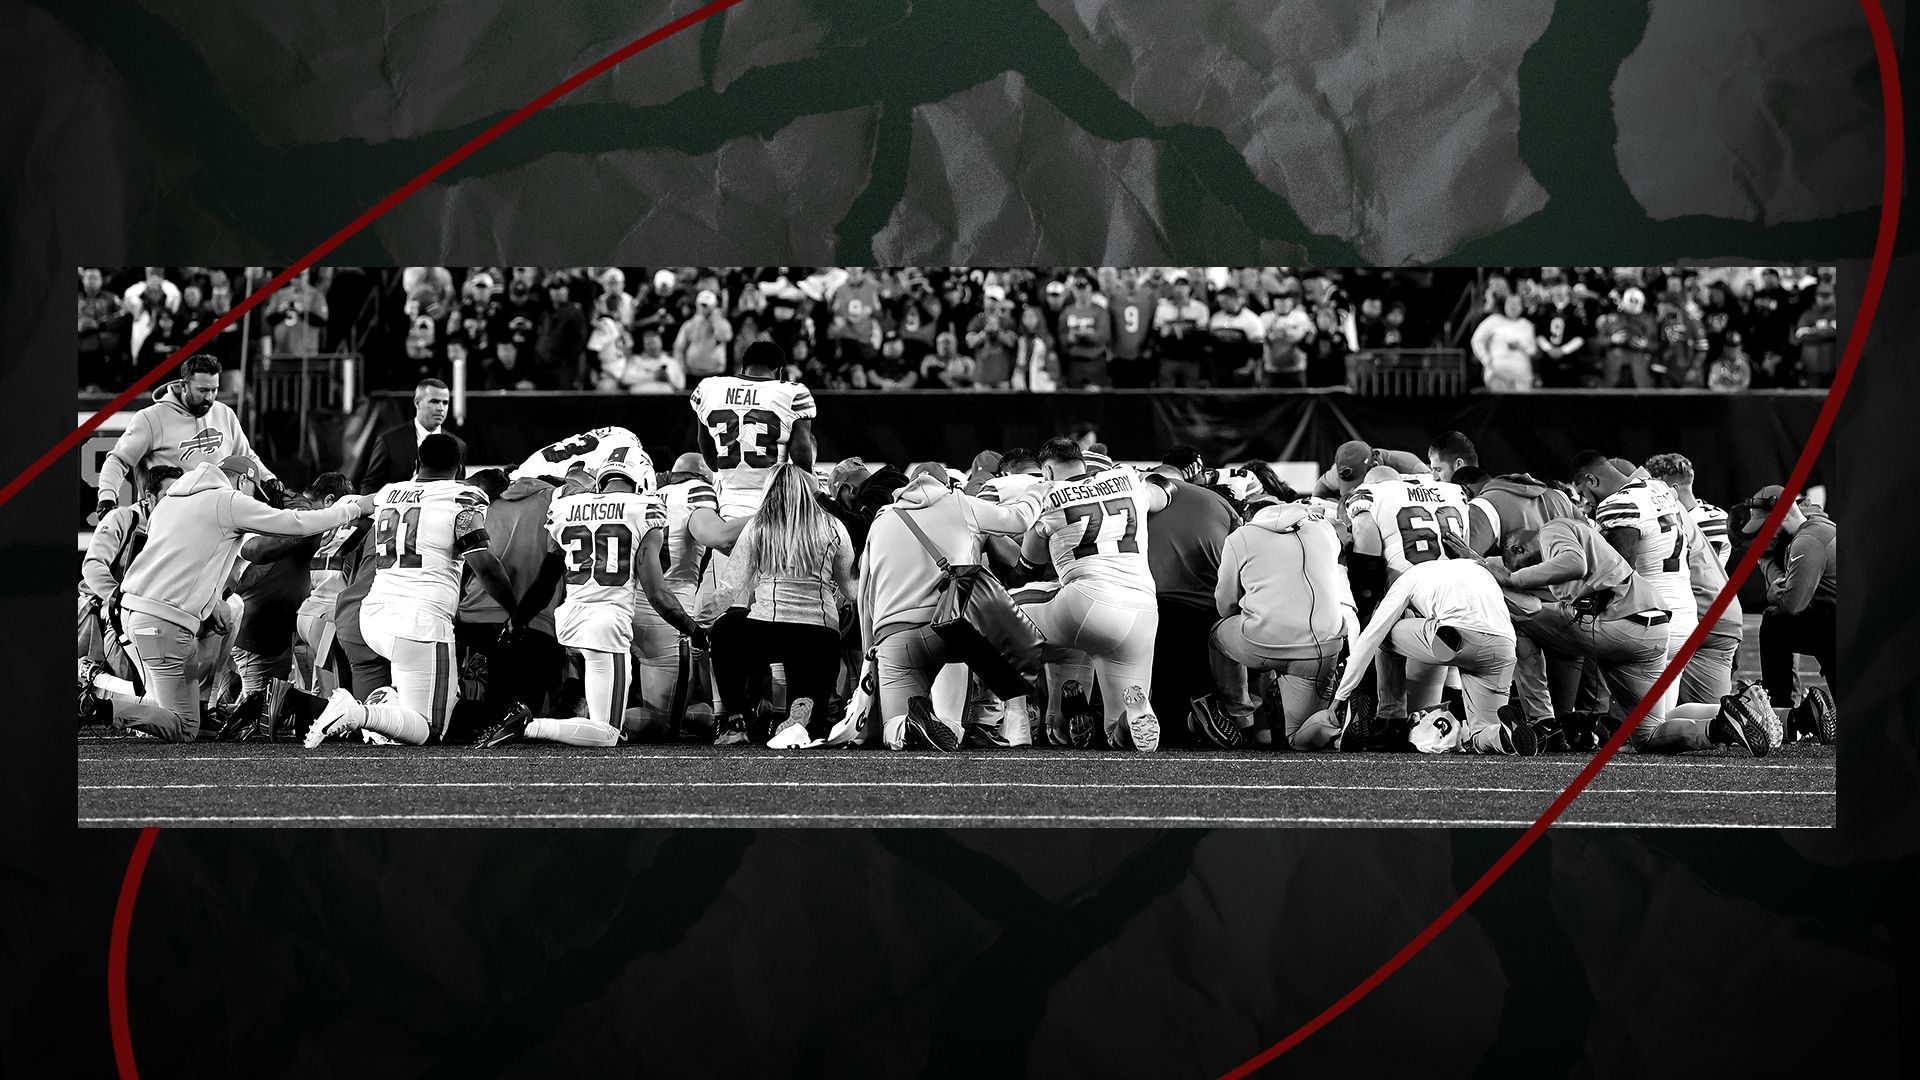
column 1410, row 514
column 1006, row 489
column 327, row 571
column 685, row 555
column 600, row 535
column 1096, row 529
column 588, row 450
column 421, row 528
column 750, row 421
column 1651, row 508
column 1713, row 525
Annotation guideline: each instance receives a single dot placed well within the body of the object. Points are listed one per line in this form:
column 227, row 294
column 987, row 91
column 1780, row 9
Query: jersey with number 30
column 1411, row 513
column 600, row 535
column 1096, row 530
column 750, row 421
column 1654, row 511
column 588, row 450
column 421, row 529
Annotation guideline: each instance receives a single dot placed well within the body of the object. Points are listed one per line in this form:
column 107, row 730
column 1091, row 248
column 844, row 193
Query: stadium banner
column 1738, row 442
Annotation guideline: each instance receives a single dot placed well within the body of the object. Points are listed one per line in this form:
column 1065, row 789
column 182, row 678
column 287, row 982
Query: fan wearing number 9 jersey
column 1401, row 518
column 752, row 422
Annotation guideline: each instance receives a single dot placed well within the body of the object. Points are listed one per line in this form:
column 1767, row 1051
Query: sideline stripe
column 414, row 756
column 950, row 819
column 869, row 784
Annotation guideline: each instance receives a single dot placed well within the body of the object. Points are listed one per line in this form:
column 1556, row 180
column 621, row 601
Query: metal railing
column 1408, row 373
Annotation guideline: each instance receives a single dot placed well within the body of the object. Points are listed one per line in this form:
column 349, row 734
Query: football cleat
column 511, row 729
column 1360, row 727
column 1520, row 735
column 1217, row 729
column 1740, row 721
column 1081, row 721
column 924, row 726
column 798, row 714
column 1817, row 713
column 89, row 700
column 731, row 731
column 336, row 719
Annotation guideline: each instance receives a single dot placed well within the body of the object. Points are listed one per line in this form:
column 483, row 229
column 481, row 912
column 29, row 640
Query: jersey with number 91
column 588, row 450
column 750, row 421
column 421, row 529
column 1650, row 508
column 1096, row 530
column 1410, row 514
column 600, row 535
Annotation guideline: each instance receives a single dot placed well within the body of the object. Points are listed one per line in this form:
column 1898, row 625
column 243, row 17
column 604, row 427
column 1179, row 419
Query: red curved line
column 117, row 953
column 136, row 866
column 372, row 214
column 1890, row 193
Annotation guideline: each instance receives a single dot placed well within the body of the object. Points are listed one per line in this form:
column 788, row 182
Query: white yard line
column 947, row 819
column 935, row 784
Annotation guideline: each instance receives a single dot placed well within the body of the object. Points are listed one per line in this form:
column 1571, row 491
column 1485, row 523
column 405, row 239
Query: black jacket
column 393, row 455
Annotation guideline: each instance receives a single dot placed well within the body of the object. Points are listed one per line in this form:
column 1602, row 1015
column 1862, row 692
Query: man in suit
column 393, row 453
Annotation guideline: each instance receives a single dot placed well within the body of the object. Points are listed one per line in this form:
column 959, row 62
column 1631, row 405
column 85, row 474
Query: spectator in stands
column 1681, row 342
column 701, row 342
column 1237, row 342
column 394, row 453
column 788, row 590
column 994, row 339
column 295, row 316
column 103, row 318
column 144, row 300
column 1817, row 334
column 1179, row 325
column 560, row 337
column 1561, row 334
column 917, row 315
column 613, row 301
column 653, row 370
column 1132, row 300
column 1287, row 333
column 1036, row 368
column 1086, row 332
column 1629, row 336
column 1335, row 337
column 853, row 329
column 1771, row 315
column 1505, row 344
column 510, row 369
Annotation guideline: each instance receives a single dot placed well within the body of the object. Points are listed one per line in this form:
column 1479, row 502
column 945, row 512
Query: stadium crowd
column 746, row 592
column 662, row 330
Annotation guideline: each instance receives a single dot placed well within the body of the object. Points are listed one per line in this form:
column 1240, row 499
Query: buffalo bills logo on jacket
column 205, row 441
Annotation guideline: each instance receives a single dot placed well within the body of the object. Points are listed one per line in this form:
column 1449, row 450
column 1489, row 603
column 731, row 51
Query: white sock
column 396, row 722
column 1699, row 710
column 574, row 732
column 114, row 684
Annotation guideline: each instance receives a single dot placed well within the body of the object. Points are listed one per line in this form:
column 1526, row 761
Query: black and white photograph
column 930, row 545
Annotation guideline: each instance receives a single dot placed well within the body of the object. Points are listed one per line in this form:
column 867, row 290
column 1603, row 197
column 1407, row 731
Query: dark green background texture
column 991, row 132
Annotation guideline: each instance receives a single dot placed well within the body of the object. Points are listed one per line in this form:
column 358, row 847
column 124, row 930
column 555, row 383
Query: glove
column 273, row 492
column 104, row 507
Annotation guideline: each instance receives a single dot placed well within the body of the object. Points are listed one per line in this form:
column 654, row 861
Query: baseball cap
column 930, row 468
column 664, row 281
column 707, row 298
column 1180, row 275
column 994, row 292
column 481, row 280
column 1056, row 288
column 1352, row 459
column 240, row 467
column 850, row 471
column 986, row 464
column 1764, row 501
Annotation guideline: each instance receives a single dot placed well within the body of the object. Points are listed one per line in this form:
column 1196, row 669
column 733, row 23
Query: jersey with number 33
column 1096, row 530
column 600, row 534
column 750, row 421
column 588, row 450
column 1410, row 513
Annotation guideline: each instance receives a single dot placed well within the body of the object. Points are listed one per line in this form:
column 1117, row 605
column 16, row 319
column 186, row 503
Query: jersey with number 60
column 1410, row 514
column 750, row 421
column 599, row 534
column 1652, row 509
column 588, row 450
column 1096, row 530
column 421, row 528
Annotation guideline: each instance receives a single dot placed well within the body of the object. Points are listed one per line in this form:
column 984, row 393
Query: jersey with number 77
column 1096, row 529
column 750, row 421
column 1409, row 514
